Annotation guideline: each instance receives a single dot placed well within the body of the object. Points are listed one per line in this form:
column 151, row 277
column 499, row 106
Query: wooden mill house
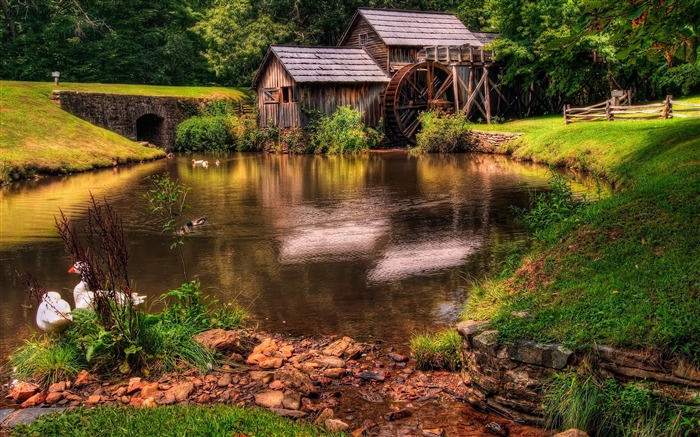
column 390, row 65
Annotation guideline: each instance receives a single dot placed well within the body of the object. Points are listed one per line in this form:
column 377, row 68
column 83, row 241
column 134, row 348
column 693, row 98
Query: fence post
column 566, row 113
column 608, row 115
column 667, row 111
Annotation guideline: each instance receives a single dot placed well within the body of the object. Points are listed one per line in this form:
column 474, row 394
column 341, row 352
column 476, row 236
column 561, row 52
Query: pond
column 378, row 246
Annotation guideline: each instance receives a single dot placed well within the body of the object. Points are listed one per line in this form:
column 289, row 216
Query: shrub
column 342, row 132
column 442, row 133
column 437, row 351
column 548, row 209
column 204, row 134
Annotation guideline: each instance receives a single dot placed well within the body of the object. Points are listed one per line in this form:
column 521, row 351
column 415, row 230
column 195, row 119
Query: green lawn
column 37, row 137
column 626, row 270
column 220, row 420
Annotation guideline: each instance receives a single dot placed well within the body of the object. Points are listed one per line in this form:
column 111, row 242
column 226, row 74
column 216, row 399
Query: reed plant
column 440, row 350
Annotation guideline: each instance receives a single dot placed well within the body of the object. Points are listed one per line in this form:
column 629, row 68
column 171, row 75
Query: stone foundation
column 508, row 378
column 488, row 142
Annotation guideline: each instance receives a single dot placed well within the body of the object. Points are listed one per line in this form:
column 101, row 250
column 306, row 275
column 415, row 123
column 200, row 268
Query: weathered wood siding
column 375, row 46
column 402, row 56
column 326, row 98
column 277, row 113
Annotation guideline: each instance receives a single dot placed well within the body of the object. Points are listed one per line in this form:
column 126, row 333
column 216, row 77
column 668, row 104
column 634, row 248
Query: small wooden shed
column 317, row 78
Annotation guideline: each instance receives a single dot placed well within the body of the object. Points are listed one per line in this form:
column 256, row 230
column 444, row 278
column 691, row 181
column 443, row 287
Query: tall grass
column 604, row 407
column 441, row 133
column 47, row 360
column 437, row 351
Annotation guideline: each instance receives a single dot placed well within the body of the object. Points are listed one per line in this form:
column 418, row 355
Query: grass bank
column 37, row 137
column 218, row 420
column 624, row 271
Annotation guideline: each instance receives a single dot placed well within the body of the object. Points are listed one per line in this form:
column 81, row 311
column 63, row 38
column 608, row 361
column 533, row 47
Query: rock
column 354, row 351
column 267, row 347
column 149, row 389
column 546, row 355
column 149, row 403
column 73, row 397
column 236, row 358
column 297, row 381
column 335, row 425
column 135, row 385
column 255, row 358
column 125, row 399
column 470, row 328
column 84, row 378
column 435, row 432
column 372, row 376
column 121, row 391
column 271, row 363
column 291, row 414
column 136, row 402
column 59, row 386
column 35, row 400
column 182, row 390
column 497, row 429
column 265, row 377
column 54, row 397
column 23, row 391
column 400, row 414
column 397, row 357
column 276, row 385
column 219, row 340
column 93, row 400
column 338, row 347
column 287, row 351
column 572, row 433
column 269, row 399
column 486, row 342
column 330, row 361
column 225, row 380
column 334, row 373
column 168, row 398
column 291, row 401
column 26, row 417
column 324, row 415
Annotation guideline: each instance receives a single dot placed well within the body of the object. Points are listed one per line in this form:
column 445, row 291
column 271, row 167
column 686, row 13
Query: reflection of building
column 390, row 65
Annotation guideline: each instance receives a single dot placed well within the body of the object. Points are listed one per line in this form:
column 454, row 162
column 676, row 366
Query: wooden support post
column 487, row 95
column 455, row 87
column 470, row 89
column 608, row 115
column 566, row 113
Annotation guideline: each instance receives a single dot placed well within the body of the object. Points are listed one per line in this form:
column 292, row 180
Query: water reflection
column 376, row 245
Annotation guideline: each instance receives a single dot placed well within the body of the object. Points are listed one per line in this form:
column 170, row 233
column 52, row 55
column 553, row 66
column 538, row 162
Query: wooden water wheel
column 413, row 89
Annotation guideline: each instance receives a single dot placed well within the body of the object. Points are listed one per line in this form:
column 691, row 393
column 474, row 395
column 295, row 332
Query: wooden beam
column 455, row 86
column 487, row 94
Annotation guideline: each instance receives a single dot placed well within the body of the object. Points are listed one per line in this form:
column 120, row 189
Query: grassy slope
column 627, row 272
column 218, row 420
column 36, row 136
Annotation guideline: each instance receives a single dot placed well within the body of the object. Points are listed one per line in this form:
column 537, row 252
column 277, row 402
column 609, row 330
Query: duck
column 205, row 164
column 187, row 227
column 218, row 163
column 85, row 299
column 198, row 162
column 54, row 313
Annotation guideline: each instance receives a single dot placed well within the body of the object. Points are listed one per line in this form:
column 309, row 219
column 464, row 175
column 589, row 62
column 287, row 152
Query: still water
column 377, row 246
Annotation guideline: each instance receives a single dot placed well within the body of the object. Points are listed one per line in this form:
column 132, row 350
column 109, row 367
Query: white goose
column 84, row 298
column 53, row 313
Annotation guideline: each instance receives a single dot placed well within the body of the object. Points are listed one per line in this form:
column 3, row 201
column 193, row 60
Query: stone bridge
column 139, row 118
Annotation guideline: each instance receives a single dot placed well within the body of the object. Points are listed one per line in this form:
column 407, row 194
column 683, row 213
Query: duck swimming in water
column 187, row 227
column 53, row 313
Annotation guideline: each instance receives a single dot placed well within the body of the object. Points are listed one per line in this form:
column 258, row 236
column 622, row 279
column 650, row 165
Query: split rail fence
column 615, row 109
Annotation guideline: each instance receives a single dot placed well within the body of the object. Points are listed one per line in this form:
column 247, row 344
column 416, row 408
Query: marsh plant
column 437, row 351
column 442, row 133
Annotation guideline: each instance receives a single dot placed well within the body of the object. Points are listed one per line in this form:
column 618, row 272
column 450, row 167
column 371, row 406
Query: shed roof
column 416, row 28
column 327, row 64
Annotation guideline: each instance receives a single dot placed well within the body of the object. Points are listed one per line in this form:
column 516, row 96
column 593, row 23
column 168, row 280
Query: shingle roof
column 485, row 37
column 329, row 64
column 419, row 29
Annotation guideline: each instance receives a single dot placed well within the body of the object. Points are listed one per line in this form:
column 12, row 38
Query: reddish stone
column 59, row 386
column 135, row 385
column 149, row 389
column 271, row 363
column 35, row 400
column 54, row 397
column 84, row 378
column 23, row 391
column 93, row 400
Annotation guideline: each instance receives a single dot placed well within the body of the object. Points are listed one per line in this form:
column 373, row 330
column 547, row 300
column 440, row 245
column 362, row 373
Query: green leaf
column 124, row 368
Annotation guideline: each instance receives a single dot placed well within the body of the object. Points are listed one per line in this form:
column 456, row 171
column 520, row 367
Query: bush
column 437, row 351
column 341, row 133
column 204, row 134
column 247, row 136
column 442, row 133
column 47, row 360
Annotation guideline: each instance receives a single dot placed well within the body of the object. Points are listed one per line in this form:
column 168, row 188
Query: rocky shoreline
column 337, row 383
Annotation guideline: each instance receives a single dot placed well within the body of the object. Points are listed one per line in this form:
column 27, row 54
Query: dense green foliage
column 437, row 351
column 47, row 360
column 648, row 45
column 618, row 271
column 343, row 132
column 204, row 134
column 604, row 407
column 442, row 133
column 219, row 420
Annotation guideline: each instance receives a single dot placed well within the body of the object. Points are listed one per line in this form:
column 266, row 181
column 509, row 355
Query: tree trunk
column 8, row 18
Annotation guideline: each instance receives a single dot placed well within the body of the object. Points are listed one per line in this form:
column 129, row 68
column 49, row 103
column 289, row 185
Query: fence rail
column 612, row 109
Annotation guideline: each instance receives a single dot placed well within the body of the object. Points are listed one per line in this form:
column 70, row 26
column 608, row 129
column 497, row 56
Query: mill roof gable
column 415, row 28
column 325, row 64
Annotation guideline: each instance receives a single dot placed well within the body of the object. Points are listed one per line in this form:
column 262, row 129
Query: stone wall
column 487, row 142
column 508, row 378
